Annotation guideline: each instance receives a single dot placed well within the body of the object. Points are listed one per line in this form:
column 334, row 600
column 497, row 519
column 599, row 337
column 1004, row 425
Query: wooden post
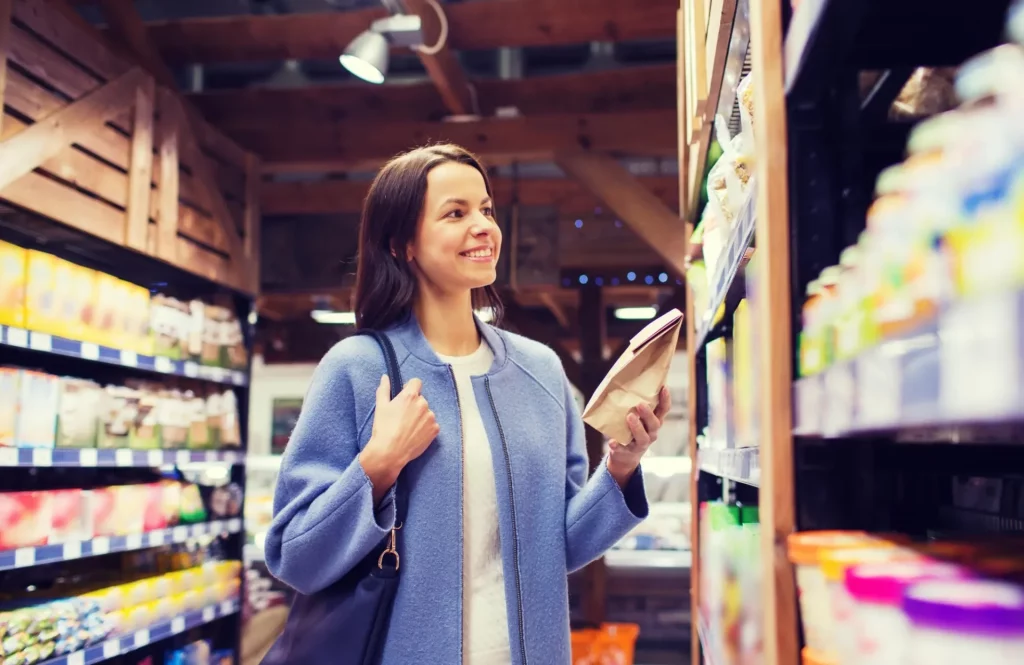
column 5, row 45
column 140, row 173
column 593, row 325
column 253, row 220
column 167, row 210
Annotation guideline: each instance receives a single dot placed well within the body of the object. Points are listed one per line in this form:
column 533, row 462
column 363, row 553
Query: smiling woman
column 429, row 226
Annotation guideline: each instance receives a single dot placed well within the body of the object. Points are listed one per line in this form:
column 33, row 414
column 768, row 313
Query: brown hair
column 385, row 282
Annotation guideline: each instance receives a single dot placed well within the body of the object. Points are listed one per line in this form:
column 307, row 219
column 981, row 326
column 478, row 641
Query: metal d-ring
column 392, row 548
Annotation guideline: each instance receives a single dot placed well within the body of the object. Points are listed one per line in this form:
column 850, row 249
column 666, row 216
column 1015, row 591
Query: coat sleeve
column 597, row 512
column 324, row 519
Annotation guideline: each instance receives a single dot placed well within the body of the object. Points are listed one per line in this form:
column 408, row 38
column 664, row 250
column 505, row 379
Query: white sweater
column 485, row 632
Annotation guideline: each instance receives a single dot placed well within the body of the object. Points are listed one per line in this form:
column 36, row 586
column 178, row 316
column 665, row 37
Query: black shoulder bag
column 347, row 623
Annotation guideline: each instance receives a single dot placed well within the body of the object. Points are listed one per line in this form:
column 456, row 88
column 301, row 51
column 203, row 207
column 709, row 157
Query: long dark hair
column 385, row 282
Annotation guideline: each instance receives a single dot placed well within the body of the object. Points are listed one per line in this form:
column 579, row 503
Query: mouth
column 479, row 254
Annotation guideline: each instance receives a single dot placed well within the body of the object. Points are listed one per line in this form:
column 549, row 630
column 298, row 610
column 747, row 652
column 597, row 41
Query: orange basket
column 611, row 644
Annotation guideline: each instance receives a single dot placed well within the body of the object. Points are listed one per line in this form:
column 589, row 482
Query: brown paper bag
column 637, row 376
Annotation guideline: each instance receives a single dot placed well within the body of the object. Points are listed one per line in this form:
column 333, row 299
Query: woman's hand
column 403, row 428
column 624, row 458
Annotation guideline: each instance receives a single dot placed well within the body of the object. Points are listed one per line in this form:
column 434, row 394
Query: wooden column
column 5, row 45
column 593, row 328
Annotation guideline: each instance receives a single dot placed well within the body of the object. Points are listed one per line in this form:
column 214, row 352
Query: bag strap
column 395, row 376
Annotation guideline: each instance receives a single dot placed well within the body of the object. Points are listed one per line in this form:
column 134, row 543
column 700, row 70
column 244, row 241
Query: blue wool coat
column 551, row 519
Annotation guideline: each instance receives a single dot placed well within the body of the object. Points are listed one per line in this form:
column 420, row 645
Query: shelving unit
column 135, row 192
column 875, row 441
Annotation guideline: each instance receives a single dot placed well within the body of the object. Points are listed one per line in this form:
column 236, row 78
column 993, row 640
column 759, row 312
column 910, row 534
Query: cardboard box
column 10, row 391
column 108, row 310
column 13, row 275
column 83, row 299
column 41, row 301
column 39, row 398
column 68, row 520
column 78, row 413
column 25, row 519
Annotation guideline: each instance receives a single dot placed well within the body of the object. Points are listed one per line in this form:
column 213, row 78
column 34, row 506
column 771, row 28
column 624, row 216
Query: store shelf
column 26, row 557
column 113, row 457
column 158, row 631
column 44, row 343
column 742, row 465
column 663, row 559
column 963, row 368
column 727, row 285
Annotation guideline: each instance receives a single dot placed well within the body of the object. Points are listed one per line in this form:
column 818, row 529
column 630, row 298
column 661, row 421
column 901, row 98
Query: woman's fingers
column 650, row 421
column 640, row 436
column 664, row 404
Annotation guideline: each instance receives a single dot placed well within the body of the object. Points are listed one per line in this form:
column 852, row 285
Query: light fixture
column 367, row 55
column 331, row 317
column 485, row 314
column 635, row 313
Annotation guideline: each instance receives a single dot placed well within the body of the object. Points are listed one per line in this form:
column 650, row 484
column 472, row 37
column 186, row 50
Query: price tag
column 234, row 525
column 191, row 369
column 101, row 545
column 180, row 534
column 133, row 542
column 90, row 351
column 141, row 638
column 227, row 607
column 111, row 648
column 129, row 358
column 24, row 557
column 211, row 455
column 155, row 457
column 88, row 457
column 157, row 538
column 40, row 342
column 72, row 550
column 878, row 387
column 182, row 457
column 124, row 457
column 177, row 625
column 216, row 526
column 239, row 378
column 209, row 614
column 8, row 457
column 77, row 658
column 42, row 457
column 165, row 365
column 17, row 337
column 199, row 530
column 980, row 363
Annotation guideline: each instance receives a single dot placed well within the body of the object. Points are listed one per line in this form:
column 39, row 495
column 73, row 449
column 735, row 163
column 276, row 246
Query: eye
column 455, row 214
column 488, row 211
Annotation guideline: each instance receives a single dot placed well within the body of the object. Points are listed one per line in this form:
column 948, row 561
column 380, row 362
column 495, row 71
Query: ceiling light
column 635, row 313
column 485, row 314
column 330, row 317
column 366, row 56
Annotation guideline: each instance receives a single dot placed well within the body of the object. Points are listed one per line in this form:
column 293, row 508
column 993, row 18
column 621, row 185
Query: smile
column 483, row 254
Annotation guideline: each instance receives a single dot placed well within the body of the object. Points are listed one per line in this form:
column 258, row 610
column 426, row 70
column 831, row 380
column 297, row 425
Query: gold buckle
column 391, row 549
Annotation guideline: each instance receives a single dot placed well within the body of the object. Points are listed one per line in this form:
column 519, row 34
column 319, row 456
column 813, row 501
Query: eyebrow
column 464, row 202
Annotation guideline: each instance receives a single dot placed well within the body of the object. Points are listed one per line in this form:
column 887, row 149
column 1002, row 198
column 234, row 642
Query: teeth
column 478, row 254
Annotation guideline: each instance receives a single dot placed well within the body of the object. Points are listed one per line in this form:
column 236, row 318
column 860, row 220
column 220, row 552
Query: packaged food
column 745, row 97
column 38, row 399
column 13, row 273
column 107, row 320
column 811, row 657
column 877, row 589
column 118, row 414
column 139, row 317
column 154, row 516
column 25, row 519
column 928, row 92
column 69, row 524
column 743, row 377
column 811, row 353
column 193, row 349
column 170, row 322
column 196, row 417
column 230, row 435
column 145, row 431
column 10, row 389
column 721, row 419
column 78, row 413
column 805, row 552
column 212, row 334
column 41, row 298
column 965, row 621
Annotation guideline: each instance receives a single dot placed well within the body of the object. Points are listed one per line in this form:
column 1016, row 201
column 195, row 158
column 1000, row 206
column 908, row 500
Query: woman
column 486, row 429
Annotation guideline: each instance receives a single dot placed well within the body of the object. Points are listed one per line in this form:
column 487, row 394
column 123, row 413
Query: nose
column 482, row 225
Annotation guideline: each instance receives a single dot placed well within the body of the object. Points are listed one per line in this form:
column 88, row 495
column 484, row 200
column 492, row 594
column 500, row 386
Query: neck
column 447, row 322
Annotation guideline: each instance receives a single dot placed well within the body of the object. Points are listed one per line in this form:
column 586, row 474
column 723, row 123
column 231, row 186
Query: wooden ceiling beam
column 442, row 64
column 324, row 197
column 352, row 146
column 634, row 88
column 633, row 203
column 473, row 25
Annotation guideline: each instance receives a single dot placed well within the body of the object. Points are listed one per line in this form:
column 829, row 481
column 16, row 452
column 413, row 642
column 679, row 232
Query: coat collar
column 411, row 336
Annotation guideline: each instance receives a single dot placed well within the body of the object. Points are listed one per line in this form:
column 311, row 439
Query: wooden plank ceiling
column 319, row 141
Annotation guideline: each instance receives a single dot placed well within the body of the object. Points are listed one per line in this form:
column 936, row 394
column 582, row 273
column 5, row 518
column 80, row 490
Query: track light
column 331, row 317
column 366, row 56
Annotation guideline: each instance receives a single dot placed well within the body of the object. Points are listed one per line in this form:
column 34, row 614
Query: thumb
column 384, row 391
column 412, row 388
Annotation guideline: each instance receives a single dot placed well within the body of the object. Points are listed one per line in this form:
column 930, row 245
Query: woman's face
column 457, row 240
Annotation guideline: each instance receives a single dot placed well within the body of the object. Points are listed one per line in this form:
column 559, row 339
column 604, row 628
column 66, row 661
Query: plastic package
column 929, row 91
column 881, row 630
column 965, row 621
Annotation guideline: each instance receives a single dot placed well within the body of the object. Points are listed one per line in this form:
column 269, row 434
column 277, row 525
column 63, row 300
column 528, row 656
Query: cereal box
column 10, row 382
column 37, row 417
column 41, row 303
column 13, row 265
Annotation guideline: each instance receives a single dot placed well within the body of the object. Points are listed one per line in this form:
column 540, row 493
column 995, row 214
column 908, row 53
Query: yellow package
column 41, row 293
column 142, row 337
column 13, row 265
column 194, row 600
column 108, row 311
column 177, row 604
column 743, row 377
column 84, row 287
column 138, row 593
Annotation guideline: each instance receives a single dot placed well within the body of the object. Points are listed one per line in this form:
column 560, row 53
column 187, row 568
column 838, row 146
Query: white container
column 965, row 622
